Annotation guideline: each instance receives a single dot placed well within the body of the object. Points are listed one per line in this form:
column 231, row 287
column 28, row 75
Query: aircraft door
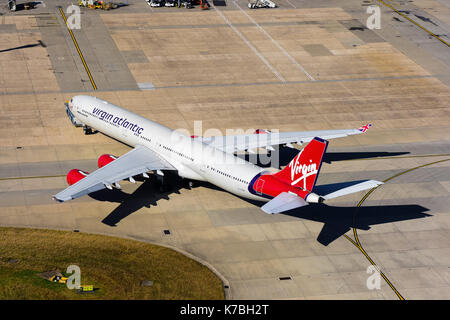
column 259, row 186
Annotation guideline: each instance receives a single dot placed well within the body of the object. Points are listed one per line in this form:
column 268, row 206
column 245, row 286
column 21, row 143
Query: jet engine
column 75, row 175
column 105, row 159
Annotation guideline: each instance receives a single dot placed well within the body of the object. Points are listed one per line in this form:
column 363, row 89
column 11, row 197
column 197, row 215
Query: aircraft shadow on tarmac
column 339, row 220
column 146, row 195
column 287, row 154
column 336, row 220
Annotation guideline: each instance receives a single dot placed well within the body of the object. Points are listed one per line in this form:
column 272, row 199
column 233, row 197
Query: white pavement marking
column 146, row 86
column 275, row 43
column 291, row 4
column 260, row 56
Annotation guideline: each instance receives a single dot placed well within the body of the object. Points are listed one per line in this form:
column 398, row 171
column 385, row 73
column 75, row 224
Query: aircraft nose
column 73, row 103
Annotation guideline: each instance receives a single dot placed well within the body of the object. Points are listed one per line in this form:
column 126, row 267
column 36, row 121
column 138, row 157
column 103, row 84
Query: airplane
column 158, row 148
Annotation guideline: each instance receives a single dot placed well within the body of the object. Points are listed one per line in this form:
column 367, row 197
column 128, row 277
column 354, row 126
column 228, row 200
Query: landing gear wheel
column 87, row 130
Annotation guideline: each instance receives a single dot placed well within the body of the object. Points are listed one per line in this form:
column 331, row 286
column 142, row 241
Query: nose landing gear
column 87, row 130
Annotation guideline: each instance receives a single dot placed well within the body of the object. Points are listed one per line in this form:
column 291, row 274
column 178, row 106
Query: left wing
column 233, row 143
column 139, row 160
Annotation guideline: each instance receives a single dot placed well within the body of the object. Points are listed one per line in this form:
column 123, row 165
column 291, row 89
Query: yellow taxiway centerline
column 78, row 49
column 358, row 244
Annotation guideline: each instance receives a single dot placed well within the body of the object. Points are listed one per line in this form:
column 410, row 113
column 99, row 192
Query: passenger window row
column 227, row 175
column 178, row 153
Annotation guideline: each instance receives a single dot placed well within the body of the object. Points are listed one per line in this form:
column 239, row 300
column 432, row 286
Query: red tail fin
column 303, row 170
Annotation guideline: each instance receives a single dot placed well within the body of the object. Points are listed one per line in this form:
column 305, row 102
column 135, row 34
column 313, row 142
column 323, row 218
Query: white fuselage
column 192, row 158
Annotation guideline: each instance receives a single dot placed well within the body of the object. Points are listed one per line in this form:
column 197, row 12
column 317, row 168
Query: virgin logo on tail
column 305, row 166
column 305, row 170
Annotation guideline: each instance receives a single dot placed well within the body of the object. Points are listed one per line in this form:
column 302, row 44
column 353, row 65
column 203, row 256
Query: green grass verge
column 115, row 266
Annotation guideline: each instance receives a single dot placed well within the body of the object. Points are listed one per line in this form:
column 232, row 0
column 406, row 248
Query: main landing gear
column 160, row 180
column 87, row 130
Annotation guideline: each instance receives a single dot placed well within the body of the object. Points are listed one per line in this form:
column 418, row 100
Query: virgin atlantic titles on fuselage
column 158, row 148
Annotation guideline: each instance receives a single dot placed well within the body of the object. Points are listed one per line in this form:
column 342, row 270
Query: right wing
column 233, row 143
column 139, row 160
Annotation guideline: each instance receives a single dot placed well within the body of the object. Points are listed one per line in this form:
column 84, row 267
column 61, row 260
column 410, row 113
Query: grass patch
column 115, row 266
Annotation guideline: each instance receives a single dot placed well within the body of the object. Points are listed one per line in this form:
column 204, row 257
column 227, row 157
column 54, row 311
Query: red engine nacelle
column 105, row 159
column 75, row 175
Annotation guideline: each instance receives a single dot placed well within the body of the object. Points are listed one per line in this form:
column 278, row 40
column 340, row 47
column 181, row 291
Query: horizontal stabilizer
column 283, row 202
column 342, row 189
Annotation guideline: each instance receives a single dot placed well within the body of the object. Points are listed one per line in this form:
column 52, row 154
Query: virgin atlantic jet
column 158, row 148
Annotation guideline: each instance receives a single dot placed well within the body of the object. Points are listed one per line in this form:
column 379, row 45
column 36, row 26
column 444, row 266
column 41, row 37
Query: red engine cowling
column 105, row 159
column 75, row 175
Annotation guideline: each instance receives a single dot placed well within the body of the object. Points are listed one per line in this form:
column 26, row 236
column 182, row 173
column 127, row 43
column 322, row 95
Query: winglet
column 56, row 199
column 363, row 129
